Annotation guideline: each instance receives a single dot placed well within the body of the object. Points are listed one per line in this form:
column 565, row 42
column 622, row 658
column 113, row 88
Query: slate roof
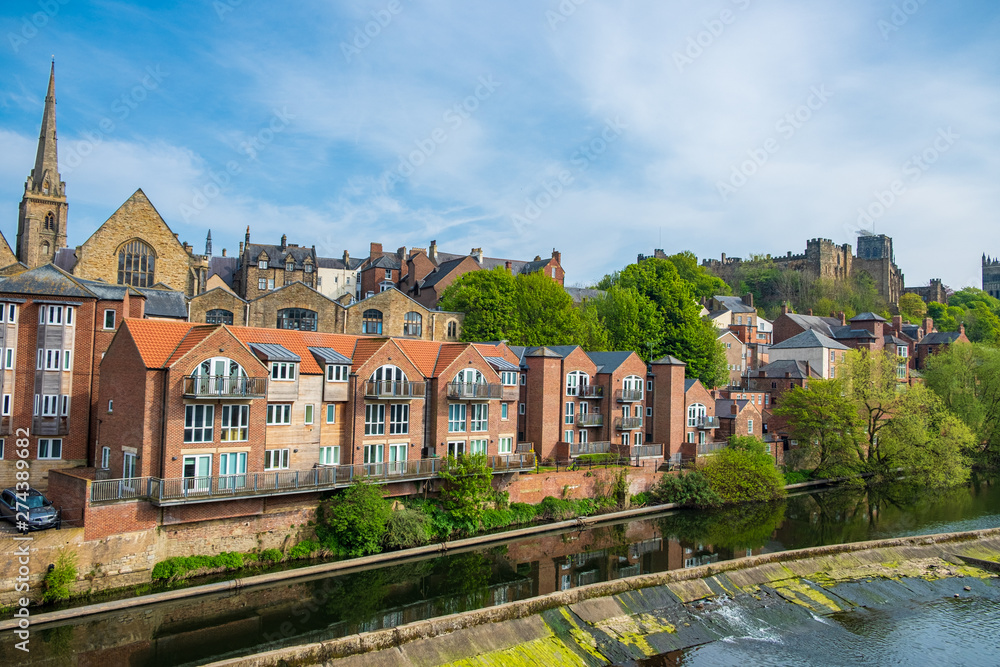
column 824, row 325
column 335, row 263
column 274, row 352
column 844, row 333
column 867, row 317
column 443, row 269
column 668, row 360
column 224, row 267
column 724, row 407
column 911, row 330
column 777, row 369
column 809, row 339
column 165, row 303
column 47, row 280
column 385, row 262
column 608, row 361
column 581, row 294
column 940, row 338
column 501, row 364
column 65, row 259
column 688, row 383
column 276, row 256
column 734, row 304
column 328, row 355
column 893, row 340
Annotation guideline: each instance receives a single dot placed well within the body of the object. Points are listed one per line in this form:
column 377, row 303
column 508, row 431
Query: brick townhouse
column 55, row 329
column 182, row 400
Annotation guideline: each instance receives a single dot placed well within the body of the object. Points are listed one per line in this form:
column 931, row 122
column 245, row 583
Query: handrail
column 200, row 489
column 628, row 423
column 387, row 389
column 590, row 419
column 581, row 448
column 628, row 395
column 214, row 386
column 474, row 390
column 591, row 391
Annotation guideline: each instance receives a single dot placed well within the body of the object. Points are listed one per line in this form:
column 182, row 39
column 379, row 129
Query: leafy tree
column 488, row 301
column 683, row 333
column 354, row 522
column 912, row 308
column 943, row 320
column 703, row 283
column 982, row 324
column 825, row 422
column 691, row 490
column 744, row 472
column 466, row 488
column 546, row 313
column 967, row 379
column 631, row 320
column 60, row 579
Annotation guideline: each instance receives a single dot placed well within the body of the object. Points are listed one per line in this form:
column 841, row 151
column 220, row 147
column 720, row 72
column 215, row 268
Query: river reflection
column 212, row 627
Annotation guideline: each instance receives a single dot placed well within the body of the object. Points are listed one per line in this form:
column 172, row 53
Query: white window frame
column 649, row 412
column 399, row 418
column 568, row 413
column 479, row 419
column 283, row 371
column 276, row 459
column 508, row 378
column 50, row 405
column 262, row 283
column 55, row 315
column 504, row 411
column 203, row 433
column 12, row 313
column 749, row 427
column 262, row 264
column 111, row 315
column 49, row 449
column 505, row 445
column 568, row 435
column 309, row 414
column 478, row 446
column 520, row 408
column 374, row 418
column 67, row 360
column 6, row 405
column 456, row 418
column 105, row 458
column 331, row 413
column 64, row 405
column 8, row 358
column 279, row 414
column 337, row 372
column 329, row 455
column 238, row 427
column 53, row 360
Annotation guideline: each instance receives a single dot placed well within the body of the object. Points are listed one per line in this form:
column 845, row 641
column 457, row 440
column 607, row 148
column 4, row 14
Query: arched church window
column 50, row 222
column 219, row 316
column 136, row 263
column 298, row 319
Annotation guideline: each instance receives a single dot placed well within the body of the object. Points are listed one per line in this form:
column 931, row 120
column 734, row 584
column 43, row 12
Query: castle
column 825, row 259
column 991, row 276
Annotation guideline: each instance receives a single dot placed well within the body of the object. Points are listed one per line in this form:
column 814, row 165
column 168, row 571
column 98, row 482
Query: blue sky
column 602, row 129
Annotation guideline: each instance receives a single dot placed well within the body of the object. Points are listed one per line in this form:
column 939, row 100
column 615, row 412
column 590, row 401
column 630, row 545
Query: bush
column 499, row 518
column 62, row 575
column 466, row 488
column 744, row 472
column 640, row 499
column 354, row 523
column 690, row 490
column 304, row 549
column 797, row 476
column 522, row 513
column 271, row 555
column 407, row 528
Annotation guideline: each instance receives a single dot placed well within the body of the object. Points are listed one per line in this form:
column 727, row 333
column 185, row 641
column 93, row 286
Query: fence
column 285, row 481
column 580, row 448
column 473, row 390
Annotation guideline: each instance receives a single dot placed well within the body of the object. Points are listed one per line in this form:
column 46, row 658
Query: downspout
column 93, row 343
column 163, row 428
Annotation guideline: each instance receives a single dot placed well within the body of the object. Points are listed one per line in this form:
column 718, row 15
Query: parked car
column 41, row 514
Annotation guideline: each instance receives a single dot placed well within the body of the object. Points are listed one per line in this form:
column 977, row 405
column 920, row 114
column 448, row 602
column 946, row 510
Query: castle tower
column 991, row 276
column 41, row 223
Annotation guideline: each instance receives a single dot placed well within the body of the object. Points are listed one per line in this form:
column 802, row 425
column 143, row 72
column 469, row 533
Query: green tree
column 825, row 422
column 354, row 522
column 703, row 283
column 631, row 320
column 466, row 488
column 943, row 320
column 912, row 308
column 488, row 300
column 545, row 313
column 967, row 379
column 744, row 472
column 684, row 333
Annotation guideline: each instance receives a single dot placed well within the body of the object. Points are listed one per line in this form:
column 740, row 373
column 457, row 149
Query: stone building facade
column 935, row 291
column 991, row 276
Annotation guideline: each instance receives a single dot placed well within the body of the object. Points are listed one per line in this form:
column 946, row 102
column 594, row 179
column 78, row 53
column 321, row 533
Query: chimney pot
column 810, row 311
column 223, row 252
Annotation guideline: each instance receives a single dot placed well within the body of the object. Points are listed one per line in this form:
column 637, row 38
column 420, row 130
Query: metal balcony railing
column 705, row 448
column 646, row 451
column 224, row 386
column 628, row 395
column 473, row 390
column 707, row 422
column 383, row 389
column 587, row 420
column 525, row 447
column 580, row 448
column 628, row 423
column 259, row 484
column 591, row 391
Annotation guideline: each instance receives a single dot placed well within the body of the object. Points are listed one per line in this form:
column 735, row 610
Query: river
column 212, row 627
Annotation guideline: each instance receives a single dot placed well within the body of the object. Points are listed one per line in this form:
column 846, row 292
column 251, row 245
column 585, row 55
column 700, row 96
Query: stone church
column 135, row 246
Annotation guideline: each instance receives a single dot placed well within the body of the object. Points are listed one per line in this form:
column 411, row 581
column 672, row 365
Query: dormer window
column 283, row 371
column 289, row 266
column 262, row 263
column 308, row 268
column 337, row 373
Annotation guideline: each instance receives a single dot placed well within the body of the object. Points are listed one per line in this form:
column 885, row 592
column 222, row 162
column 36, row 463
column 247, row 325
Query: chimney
column 897, row 324
column 434, row 252
column 284, row 242
column 248, row 236
column 223, row 252
column 784, row 308
column 375, row 250
column 506, row 264
column 761, row 374
column 556, row 255
column 347, row 260
column 748, row 299
column 928, row 325
column 808, row 370
column 401, row 252
column 843, row 318
column 241, row 249
column 787, row 374
column 961, row 328
column 734, row 409
column 477, row 253
column 810, row 311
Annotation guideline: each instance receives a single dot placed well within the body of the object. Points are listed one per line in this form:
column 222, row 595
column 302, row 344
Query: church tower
column 41, row 225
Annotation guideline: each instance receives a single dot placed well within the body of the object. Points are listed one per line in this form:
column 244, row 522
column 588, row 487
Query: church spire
column 208, row 244
column 46, row 171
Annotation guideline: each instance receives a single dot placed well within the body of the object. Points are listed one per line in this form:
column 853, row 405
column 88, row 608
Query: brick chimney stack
column 748, row 299
column 810, row 311
column 928, row 325
column 284, row 242
column 507, row 264
column 477, row 254
column 897, row 324
column 433, row 255
column 843, row 318
column 556, row 255
column 347, row 260
column 784, row 308
column 375, row 250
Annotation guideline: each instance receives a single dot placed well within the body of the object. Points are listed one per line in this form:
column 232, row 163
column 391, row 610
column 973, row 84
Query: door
column 197, row 472
column 397, row 459
column 128, row 470
column 456, row 449
column 232, row 470
column 373, row 459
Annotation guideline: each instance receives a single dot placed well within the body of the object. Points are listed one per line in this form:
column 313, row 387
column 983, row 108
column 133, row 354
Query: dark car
column 40, row 512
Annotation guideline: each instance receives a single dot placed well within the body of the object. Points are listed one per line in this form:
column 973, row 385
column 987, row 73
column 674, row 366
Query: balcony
column 178, row 491
column 581, row 448
column 706, row 448
column 589, row 420
column 646, row 451
column 473, row 390
column 628, row 423
column 628, row 395
column 224, row 386
column 591, row 391
column 707, row 422
column 525, row 447
column 400, row 390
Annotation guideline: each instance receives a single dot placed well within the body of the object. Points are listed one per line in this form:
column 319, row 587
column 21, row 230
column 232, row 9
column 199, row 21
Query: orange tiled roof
column 195, row 335
column 422, row 353
column 299, row 342
column 449, row 353
column 365, row 349
column 156, row 339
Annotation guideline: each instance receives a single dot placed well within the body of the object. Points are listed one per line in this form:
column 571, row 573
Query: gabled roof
column 608, row 361
column 156, row 340
column 867, row 317
column 543, row 352
column 809, row 339
column 734, row 304
column 47, row 280
column 443, row 270
column 276, row 256
column 224, row 267
column 65, row 259
column 581, row 294
column 301, row 284
column 688, row 383
column 847, row 333
column 724, row 407
column 777, row 370
column 328, row 355
column 893, row 340
column 165, row 303
column 274, row 352
column 422, row 353
column 384, row 262
column 337, row 263
column 940, row 338
column 195, row 335
column 501, row 364
column 824, row 325
column 299, row 342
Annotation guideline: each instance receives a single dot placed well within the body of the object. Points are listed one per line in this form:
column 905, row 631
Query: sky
column 600, row 129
